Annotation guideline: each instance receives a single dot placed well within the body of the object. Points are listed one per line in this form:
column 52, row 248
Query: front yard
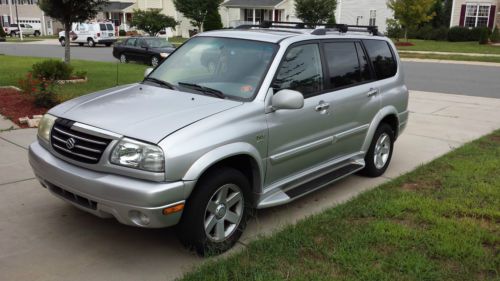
column 452, row 47
column 439, row 222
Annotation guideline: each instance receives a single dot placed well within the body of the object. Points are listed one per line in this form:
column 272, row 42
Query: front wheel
column 90, row 42
column 155, row 61
column 123, row 58
column 37, row 33
column 379, row 154
column 216, row 213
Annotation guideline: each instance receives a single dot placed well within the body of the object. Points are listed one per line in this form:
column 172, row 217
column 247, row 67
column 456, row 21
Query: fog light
column 139, row 218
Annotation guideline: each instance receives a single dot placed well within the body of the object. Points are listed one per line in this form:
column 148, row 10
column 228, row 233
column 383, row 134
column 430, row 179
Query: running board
column 283, row 197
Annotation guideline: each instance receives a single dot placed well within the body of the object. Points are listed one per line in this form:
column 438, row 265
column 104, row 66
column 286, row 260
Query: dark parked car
column 151, row 50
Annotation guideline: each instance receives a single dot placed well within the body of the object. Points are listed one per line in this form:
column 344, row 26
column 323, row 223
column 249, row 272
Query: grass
column 454, row 47
column 451, row 57
column 439, row 222
column 101, row 75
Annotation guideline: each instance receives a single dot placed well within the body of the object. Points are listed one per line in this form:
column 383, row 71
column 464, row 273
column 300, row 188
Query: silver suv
column 230, row 122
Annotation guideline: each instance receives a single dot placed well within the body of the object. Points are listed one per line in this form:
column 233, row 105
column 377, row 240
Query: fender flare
column 220, row 153
column 382, row 113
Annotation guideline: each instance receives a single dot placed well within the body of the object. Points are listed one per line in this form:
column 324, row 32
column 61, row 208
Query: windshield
column 158, row 43
column 235, row 67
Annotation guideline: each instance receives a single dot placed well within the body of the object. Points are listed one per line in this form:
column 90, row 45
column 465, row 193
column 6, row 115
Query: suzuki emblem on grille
column 70, row 143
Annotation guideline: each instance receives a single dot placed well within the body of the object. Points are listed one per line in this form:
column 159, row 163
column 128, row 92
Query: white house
column 237, row 12
column 364, row 12
column 478, row 13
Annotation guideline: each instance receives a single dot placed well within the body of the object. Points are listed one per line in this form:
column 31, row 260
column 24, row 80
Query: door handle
column 322, row 106
column 372, row 92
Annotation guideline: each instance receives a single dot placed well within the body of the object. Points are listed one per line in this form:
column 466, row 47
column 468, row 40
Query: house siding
column 29, row 12
column 457, row 8
column 349, row 10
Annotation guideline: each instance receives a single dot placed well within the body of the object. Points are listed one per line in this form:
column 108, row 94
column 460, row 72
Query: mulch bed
column 14, row 105
column 404, row 44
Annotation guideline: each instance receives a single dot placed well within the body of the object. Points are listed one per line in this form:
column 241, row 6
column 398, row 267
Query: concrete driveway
column 43, row 238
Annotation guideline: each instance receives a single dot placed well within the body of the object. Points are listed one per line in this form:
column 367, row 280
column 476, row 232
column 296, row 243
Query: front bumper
column 108, row 195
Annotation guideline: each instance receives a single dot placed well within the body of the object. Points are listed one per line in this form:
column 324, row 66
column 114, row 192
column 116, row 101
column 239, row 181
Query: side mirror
column 148, row 71
column 287, row 99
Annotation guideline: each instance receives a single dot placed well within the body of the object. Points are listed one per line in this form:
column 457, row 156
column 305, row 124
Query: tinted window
column 110, row 27
column 300, row 70
column 363, row 62
column 382, row 59
column 131, row 42
column 344, row 64
column 102, row 26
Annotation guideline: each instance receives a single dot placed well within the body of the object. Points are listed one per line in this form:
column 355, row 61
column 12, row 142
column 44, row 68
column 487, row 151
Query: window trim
column 476, row 17
column 373, row 77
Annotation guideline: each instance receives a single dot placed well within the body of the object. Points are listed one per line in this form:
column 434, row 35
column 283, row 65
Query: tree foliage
column 213, row 20
column 69, row 11
column 411, row 13
column 2, row 32
column 152, row 21
column 442, row 11
column 196, row 10
column 316, row 11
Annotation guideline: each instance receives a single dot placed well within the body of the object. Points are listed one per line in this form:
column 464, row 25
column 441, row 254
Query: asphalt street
column 471, row 80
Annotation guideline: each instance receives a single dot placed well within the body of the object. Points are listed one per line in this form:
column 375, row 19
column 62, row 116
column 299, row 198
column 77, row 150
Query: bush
column 483, row 37
column 52, row 70
column 213, row 20
column 122, row 32
column 495, row 36
column 462, row 34
column 42, row 90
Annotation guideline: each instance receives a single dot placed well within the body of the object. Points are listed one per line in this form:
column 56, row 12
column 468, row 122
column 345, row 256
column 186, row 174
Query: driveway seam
column 11, row 142
column 2, row 184
column 459, row 143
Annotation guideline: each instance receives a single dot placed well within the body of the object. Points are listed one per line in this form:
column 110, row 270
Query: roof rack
column 342, row 28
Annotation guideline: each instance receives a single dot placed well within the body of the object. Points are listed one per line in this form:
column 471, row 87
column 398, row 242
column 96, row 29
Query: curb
column 478, row 63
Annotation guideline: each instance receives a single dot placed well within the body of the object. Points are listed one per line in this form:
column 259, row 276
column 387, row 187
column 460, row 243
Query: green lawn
column 101, row 75
column 455, row 47
column 439, row 222
column 451, row 57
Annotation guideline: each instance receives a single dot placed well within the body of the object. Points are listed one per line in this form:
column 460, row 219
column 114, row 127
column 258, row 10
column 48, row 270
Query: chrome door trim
column 351, row 132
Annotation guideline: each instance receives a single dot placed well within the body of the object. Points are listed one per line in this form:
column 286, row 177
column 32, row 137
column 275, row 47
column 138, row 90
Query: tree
column 213, row 20
column 70, row 11
column 316, row 11
column 152, row 21
column 2, row 32
column 411, row 13
column 196, row 10
column 442, row 11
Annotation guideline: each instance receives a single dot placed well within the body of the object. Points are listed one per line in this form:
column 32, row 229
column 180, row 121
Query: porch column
column 125, row 21
column 253, row 16
column 273, row 19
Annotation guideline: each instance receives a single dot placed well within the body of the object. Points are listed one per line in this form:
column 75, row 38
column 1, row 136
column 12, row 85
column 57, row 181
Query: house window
column 373, row 18
column 477, row 15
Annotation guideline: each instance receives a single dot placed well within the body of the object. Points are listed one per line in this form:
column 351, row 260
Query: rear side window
column 102, row 26
column 110, row 27
column 382, row 58
column 344, row 65
column 131, row 42
column 300, row 70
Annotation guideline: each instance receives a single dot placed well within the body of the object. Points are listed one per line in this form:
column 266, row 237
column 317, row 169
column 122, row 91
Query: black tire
column 108, row 44
column 191, row 229
column 62, row 41
column 13, row 34
column 37, row 33
column 90, row 42
column 371, row 169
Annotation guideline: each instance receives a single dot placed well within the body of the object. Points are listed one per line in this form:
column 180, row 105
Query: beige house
column 476, row 13
column 238, row 12
column 28, row 13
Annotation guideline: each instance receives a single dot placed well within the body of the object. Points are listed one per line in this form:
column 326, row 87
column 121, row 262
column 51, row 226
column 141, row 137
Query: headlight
column 164, row 55
column 45, row 126
column 138, row 155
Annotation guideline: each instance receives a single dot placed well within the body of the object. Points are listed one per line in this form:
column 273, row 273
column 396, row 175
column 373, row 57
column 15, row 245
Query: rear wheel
column 108, row 44
column 123, row 58
column 37, row 33
column 155, row 61
column 379, row 154
column 12, row 34
column 90, row 42
column 62, row 41
column 216, row 213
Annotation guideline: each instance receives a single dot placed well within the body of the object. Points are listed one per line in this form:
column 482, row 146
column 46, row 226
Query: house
column 237, row 12
column 28, row 13
column 364, row 12
column 479, row 13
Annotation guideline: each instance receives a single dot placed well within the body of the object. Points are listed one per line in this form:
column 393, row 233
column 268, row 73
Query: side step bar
column 323, row 180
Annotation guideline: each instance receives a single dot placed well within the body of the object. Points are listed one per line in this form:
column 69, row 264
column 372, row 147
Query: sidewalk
column 449, row 53
column 43, row 238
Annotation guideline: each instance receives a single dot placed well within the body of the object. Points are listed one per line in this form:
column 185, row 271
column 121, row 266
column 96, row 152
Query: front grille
column 76, row 145
column 82, row 201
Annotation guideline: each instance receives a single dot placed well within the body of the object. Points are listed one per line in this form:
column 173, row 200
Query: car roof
column 276, row 35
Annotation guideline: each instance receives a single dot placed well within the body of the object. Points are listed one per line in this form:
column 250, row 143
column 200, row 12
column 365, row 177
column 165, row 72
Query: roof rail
column 342, row 28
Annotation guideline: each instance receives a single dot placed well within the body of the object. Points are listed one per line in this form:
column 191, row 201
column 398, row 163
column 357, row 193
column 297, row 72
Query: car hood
column 141, row 111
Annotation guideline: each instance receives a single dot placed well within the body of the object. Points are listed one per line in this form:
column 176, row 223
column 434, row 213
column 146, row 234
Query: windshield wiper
column 159, row 82
column 203, row 89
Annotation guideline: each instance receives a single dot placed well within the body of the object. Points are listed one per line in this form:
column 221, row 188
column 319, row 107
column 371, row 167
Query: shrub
column 122, row 32
column 2, row 32
column 213, row 20
column 42, row 90
column 483, row 37
column 495, row 36
column 52, row 70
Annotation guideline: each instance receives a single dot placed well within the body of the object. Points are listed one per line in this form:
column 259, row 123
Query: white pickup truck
column 13, row 30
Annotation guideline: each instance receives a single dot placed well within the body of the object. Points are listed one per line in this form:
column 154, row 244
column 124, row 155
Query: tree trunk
column 67, row 54
column 406, row 34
